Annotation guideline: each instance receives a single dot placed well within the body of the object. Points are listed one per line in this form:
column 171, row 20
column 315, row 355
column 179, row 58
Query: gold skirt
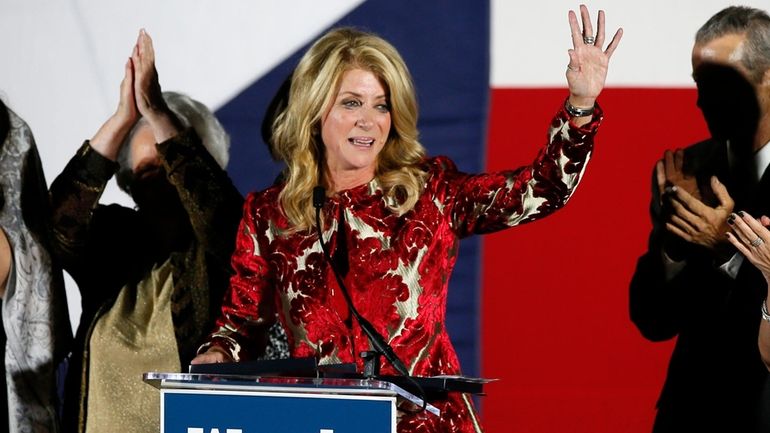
column 134, row 337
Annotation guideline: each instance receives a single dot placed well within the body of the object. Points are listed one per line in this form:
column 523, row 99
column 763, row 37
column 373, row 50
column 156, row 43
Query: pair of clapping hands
column 692, row 220
column 140, row 96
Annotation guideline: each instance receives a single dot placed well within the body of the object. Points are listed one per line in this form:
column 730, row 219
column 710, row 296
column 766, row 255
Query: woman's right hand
column 588, row 60
column 108, row 139
column 212, row 356
column 752, row 238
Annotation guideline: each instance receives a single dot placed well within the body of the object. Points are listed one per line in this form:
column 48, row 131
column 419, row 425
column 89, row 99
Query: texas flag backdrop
column 541, row 307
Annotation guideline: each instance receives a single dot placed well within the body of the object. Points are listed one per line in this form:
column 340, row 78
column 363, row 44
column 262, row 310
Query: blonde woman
column 392, row 217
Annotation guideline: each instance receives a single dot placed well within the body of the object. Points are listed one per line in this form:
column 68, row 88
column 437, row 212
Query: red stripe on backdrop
column 555, row 322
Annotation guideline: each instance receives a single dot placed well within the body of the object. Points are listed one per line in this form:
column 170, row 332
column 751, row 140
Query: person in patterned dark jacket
column 152, row 278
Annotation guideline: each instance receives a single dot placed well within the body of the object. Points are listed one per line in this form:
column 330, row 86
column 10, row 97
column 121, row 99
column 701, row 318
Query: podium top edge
column 164, row 381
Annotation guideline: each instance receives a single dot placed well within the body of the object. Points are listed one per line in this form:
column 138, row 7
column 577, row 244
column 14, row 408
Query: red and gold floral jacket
column 398, row 267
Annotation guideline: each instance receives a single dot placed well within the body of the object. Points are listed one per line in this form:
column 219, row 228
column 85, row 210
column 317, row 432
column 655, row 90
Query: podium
column 223, row 400
column 208, row 403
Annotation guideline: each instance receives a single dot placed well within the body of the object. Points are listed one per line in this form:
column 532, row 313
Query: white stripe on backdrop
column 530, row 40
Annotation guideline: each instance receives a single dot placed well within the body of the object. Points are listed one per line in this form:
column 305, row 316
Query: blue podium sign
column 212, row 403
column 275, row 411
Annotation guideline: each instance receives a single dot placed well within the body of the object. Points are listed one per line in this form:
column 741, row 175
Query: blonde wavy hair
column 297, row 130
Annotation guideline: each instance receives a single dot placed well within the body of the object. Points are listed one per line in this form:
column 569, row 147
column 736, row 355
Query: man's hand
column 697, row 223
column 669, row 172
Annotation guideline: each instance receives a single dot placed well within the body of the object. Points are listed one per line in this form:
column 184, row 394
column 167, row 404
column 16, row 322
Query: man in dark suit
column 691, row 283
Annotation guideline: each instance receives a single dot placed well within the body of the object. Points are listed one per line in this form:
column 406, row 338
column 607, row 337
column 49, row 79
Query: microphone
column 319, row 197
column 377, row 340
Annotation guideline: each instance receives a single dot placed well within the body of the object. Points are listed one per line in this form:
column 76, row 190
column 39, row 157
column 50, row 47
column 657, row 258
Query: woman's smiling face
column 355, row 128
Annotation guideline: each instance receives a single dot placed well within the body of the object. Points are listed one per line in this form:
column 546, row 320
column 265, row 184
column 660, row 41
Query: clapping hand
column 669, row 172
column 697, row 223
column 751, row 237
column 108, row 139
column 149, row 97
column 687, row 217
column 140, row 95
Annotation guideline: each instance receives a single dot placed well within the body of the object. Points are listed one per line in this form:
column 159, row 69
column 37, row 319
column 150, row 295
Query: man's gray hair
column 754, row 23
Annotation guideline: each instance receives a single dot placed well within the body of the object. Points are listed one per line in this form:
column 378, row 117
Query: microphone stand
column 381, row 347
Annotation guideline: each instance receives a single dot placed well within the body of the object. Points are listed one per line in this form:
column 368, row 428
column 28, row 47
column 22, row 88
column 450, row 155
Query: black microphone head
column 319, row 197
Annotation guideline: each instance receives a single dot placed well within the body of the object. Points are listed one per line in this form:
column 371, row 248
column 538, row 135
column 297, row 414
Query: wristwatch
column 575, row 111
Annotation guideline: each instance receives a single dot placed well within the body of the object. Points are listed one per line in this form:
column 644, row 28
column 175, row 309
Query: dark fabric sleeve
column 213, row 206
column 659, row 306
column 655, row 303
column 75, row 195
column 212, row 202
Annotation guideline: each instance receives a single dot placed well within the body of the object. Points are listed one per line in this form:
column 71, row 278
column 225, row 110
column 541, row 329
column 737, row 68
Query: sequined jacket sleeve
column 75, row 195
column 490, row 202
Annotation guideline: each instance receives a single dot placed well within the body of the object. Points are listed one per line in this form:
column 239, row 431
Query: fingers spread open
column 586, row 18
column 577, row 35
column 614, row 43
column 600, row 29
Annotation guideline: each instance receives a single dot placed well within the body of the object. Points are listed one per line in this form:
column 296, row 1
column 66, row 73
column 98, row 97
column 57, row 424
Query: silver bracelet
column 577, row 112
column 765, row 314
